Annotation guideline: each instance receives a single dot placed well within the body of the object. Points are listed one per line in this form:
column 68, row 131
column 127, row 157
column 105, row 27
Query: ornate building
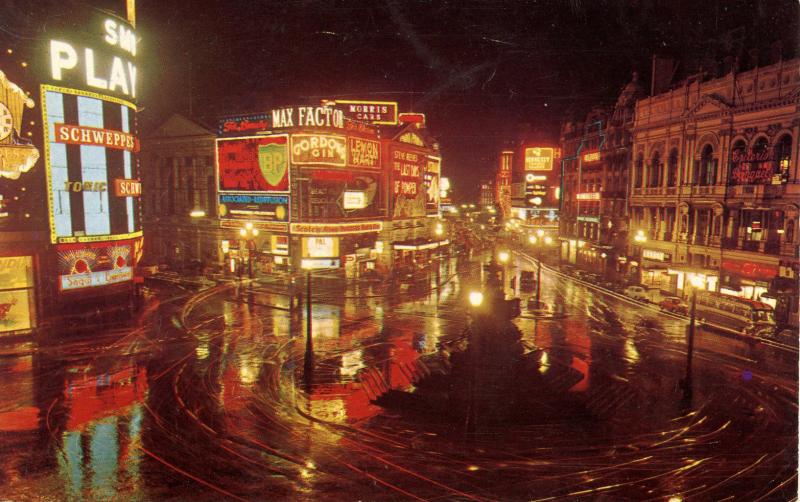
column 714, row 188
column 595, row 165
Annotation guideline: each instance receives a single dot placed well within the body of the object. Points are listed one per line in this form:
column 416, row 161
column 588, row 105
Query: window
column 672, row 168
column 639, row 173
column 708, row 167
column 654, row 172
column 783, row 156
column 790, row 231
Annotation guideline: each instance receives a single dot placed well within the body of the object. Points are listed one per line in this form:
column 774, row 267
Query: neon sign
column 588, row 196
column 538, row 159
column 92, row 66
column 319, row 149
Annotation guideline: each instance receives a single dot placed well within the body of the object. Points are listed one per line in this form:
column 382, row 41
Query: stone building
column 714, row 185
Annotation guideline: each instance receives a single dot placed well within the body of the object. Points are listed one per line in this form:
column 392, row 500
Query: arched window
column 639, row 172
column 672, row 168
column 783, row 156
column 707, row 174
column 654, row 171
column 790, row 231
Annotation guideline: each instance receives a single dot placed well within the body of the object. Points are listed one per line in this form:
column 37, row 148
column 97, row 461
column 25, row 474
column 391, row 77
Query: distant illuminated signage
column 320, row 247
column 279, row 244
column 321, row 149
column 432, row 185
column 354, row 200
column 538, row 159
column 127, row 188
column 376, row 112
column 253, row 207
column 336, row 228
column 103, row 67
column 89, row 265
column 588, row 196
column 307, row 116
column 109, row 138
column 591, row 157
column 411, row 118
column 589, row 219
column 16, row 293
column 363, row 152
column 244, row 123
column 319, row 263
column 253, row 164
column 530, row 177
column 652, row 254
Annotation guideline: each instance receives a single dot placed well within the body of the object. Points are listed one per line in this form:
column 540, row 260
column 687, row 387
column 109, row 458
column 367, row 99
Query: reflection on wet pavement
column 403, row 397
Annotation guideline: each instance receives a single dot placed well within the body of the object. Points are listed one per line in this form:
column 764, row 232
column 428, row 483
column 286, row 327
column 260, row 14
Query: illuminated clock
column 6, row 122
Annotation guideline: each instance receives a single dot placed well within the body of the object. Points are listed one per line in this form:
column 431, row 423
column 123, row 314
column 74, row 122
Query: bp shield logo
column 273, row 162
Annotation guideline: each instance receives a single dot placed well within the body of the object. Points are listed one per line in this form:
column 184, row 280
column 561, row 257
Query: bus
column 731, row 313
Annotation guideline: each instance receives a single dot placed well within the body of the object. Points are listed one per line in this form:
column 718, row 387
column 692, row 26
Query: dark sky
column 480, row 70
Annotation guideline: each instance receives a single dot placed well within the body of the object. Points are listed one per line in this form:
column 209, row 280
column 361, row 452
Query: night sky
column 482, row 71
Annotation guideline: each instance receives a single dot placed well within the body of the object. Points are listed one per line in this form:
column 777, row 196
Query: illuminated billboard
column 16, row 293
column 90, row 146
column 101, row 59
column 97, row 264
column 342, row 194
column 363, row 153
column 248, row 206
column 321, row 149
column 253, row 164
column 407, row 171
column 432, row 192
column 320, row 247
column 538, row 159
column 375, row 112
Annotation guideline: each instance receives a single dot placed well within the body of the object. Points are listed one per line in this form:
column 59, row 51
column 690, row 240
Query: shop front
column 748, row 279
column 18, row 294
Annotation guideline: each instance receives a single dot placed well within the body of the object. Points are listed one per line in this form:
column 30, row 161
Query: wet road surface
column 215, row 394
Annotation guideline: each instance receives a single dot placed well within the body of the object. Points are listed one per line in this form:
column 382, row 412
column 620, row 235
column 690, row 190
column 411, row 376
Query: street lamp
column 248, row 234
column 503, row 257
column 640, row 239
column 696, row 283
column 475, row 298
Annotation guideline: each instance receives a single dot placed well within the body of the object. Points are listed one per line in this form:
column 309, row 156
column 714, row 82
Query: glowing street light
column 475, row 298
column 503, row 256
column 548, row 240
column 532, row 239
column 697, row 282
column 539, row 232
column 640, row 237
column 439, row 229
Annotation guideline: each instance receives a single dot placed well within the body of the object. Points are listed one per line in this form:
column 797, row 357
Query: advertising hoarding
column 16, row 293
column 238, row 124
column 375, row 112
column 754, row 167
column 341, row 194
column 319, row 149
column 407, row 170
column 538, row 159
column 89, row 144
column 432, row 192
column 253, row 164
column 363, row 153
column 320, row 247
column 362, row 227
column 83, row 266
column 248, row 206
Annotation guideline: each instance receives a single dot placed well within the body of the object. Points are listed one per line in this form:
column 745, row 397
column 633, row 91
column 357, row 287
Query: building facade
column 595, row 173
column 317, row 187
column 180, row 210
column 714, row 186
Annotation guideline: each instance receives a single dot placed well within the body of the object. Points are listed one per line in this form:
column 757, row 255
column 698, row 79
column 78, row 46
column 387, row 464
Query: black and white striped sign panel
column 89, row 145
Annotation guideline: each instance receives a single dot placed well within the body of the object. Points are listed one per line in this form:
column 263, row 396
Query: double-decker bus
column 731, row 313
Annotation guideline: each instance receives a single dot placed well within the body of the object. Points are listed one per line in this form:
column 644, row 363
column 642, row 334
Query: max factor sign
column 307, row 116
column 95, row 66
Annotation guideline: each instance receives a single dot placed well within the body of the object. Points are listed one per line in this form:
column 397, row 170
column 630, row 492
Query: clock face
column 6, row 122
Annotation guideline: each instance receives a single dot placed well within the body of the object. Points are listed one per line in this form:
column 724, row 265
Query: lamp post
column 309, row 342
column 539, row 242
column 640, row 239
column 248, row 234
column 503, row 257
column 697, row 283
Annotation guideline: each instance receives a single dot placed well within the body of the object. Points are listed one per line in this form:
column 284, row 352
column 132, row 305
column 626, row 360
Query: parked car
column 674, row 304
column 636, row 292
